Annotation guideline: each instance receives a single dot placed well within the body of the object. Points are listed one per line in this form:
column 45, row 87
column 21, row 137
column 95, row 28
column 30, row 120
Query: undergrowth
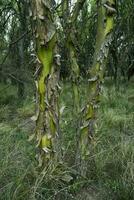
column 111, row 165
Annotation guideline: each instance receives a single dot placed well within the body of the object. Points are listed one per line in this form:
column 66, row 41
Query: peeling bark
column 106, row 11
column 71, row 43
column 47, row 124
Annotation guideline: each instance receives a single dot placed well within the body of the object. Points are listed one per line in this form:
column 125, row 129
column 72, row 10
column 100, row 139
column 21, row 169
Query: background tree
column 121, row 52
column 15, row 32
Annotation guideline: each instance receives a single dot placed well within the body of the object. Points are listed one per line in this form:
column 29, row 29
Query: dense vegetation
column 66, row 100
column 111, row 162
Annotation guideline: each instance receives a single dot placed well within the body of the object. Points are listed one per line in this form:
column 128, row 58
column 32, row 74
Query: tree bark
column 106, row 11
column 69, row 19
column 71, row 43
column 47, row 76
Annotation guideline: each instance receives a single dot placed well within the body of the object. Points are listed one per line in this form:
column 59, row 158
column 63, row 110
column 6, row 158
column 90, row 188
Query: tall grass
column 111, row 164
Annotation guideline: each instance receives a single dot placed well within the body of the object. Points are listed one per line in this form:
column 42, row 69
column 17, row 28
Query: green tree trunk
column 106, row 11
column 71, row 44
column 47, row 124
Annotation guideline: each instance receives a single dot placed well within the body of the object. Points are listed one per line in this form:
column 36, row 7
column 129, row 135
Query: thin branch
column 19, row 38
column 78, row 6
column 15, row 78
column 14, row 42
column 58, row 6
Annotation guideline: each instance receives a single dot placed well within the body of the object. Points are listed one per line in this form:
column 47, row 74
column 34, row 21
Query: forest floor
column 111, row 164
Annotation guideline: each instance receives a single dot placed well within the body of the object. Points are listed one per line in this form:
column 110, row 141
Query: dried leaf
column 31, row 137
column 95, row 78
column 46, row 150
column 34, row 118
column 67, row 178
column 62, row 109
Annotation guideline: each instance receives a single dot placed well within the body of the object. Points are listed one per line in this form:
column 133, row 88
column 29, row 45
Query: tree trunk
column 22, row 47
column 47, row 124
column 71, row 44
column 106, row 11
column 21, row 87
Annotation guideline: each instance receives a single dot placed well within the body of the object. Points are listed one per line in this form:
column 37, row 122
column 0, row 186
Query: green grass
column 111, row 164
